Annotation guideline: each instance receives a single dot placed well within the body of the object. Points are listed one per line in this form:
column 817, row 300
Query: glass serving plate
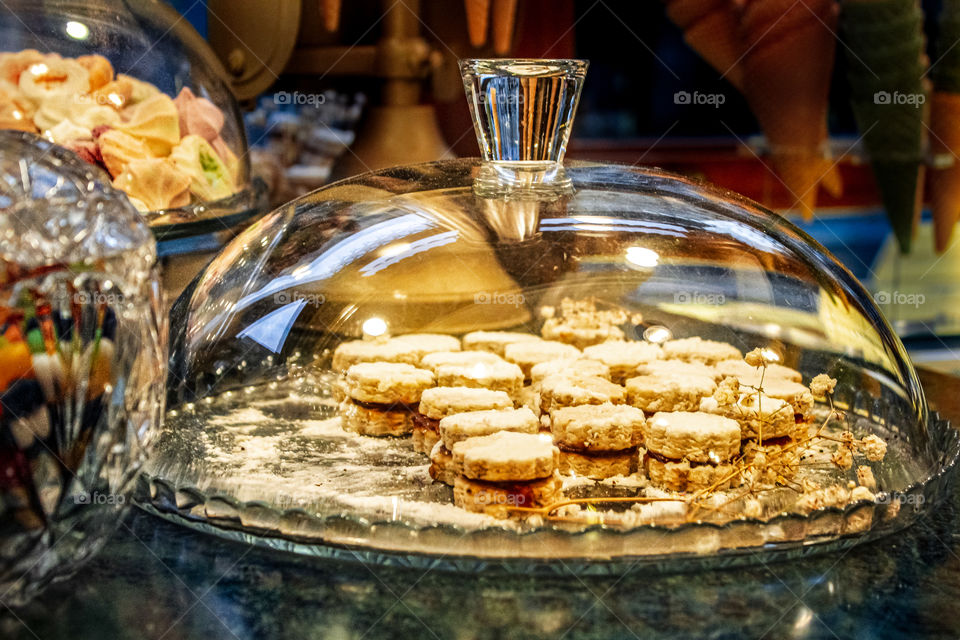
column 255, row 447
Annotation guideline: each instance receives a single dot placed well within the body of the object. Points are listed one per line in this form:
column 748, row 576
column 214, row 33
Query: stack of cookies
column 697, row 349
column 765, row 421
column 669, row 391
column 624, row 357
column 570, row 367
column 497, row 375
column 528, row 353
column 572, row 389
column 598, row 441
column 690, row 451
column 381, row 397
column 773, row 408
column 409, row 348
column 495, row 341
column 440, row 402
column 497, row 473
column 460, row 427
column 580, row 323
column 475, row 369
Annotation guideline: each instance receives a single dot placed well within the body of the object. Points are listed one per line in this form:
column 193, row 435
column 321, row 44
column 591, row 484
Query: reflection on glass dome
column 504, row 358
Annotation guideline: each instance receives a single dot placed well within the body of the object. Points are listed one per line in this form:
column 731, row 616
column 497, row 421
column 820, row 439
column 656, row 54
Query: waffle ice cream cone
column 710, row 27
column 832, row 181
column 504, row 17
column 478, row 17
column 800, row 174
column 787, row 70
column 944, row 182
column 885, row 68
column 330, row 9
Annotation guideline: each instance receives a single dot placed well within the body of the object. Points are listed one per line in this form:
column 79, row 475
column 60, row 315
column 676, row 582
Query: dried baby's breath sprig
column 842, row 457
column 873, row 447
column 762, row 467
column 810, row 501
column 865, row 477
column 822, row 386
column 728, row 392
column 756, row 358
column 832, row 496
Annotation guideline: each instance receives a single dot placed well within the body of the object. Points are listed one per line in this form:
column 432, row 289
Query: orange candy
column 16, row 362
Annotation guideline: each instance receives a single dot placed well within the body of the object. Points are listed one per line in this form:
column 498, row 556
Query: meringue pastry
column 80, row 109
column 87, row 114
column 13, row 64
column 66, row 132
column 154, row 182
column 118, row 149
column 52, row 111
column 99, row 69
column 230, row 160
column 198, row 116
column 117, row 94
column 16, row 113
column 53, row 77
column 155, row 121
column 140, row 90
column 87, row 150
column 209, row 177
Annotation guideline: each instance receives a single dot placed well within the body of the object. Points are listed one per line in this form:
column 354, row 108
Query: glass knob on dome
column 523, row 109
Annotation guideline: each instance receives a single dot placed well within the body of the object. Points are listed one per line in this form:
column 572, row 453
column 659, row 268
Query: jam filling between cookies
column 382, row 406
column 782, row 441
column 652, row 455
column 425, row 422
column 518, row 494
column 618, row 453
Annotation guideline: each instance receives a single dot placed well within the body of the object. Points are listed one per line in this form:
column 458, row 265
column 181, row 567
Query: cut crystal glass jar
column 681, row 297
column 131, row 87
column 82, row 360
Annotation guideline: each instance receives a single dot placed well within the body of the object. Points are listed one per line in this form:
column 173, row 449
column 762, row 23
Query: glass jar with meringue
column 131, row 88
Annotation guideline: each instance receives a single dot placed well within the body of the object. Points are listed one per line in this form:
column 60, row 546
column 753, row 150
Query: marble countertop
column 156, row 580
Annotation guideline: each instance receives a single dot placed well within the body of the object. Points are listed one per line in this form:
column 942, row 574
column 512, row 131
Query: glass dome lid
column 518, row 359
column 132, row 88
